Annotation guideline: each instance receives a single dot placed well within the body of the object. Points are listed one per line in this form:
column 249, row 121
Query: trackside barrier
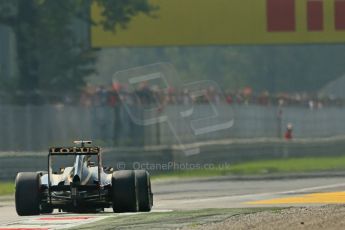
column 214, row 152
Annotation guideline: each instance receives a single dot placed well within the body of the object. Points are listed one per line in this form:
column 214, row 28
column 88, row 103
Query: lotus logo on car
column 56, row 150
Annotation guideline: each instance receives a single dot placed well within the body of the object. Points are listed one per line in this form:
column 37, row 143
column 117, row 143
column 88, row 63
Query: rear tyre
column 145, row 197
column 27, row 194
column 124, row 191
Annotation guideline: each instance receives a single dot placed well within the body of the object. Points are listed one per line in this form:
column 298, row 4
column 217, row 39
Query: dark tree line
column 51, row 56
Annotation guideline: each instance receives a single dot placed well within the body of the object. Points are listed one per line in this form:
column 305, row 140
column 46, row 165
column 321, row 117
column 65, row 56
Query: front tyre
column 27, row 193
column 145, row 197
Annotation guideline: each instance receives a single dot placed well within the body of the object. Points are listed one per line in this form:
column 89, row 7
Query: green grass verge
column 6, row 188
column 288, row 165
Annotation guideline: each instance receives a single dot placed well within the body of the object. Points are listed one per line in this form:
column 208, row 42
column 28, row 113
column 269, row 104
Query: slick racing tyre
column 124, row 191
column 27, row 194
column 145, row 197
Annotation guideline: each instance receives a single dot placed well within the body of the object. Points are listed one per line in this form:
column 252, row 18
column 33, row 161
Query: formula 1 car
column 82, row 187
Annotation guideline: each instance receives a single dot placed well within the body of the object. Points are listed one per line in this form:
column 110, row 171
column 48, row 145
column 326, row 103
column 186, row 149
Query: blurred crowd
column 145, row 94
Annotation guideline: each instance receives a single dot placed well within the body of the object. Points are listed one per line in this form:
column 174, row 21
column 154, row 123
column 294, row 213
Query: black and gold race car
column 85, row 186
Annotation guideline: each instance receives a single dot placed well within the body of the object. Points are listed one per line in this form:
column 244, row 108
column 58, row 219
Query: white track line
column 63, row 221
column 235, row 197
column 60, row 222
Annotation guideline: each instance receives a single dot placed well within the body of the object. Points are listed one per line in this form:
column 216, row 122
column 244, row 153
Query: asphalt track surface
column 201, row 194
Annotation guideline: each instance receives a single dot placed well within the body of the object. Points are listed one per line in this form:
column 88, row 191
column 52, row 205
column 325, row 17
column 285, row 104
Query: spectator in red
column 288, row 132
column 229, row 99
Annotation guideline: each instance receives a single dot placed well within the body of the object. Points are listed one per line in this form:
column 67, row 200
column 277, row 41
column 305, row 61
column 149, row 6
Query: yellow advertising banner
column 229, row 22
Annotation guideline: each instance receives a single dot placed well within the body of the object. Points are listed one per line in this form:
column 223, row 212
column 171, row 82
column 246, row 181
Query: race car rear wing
column 75, row 150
